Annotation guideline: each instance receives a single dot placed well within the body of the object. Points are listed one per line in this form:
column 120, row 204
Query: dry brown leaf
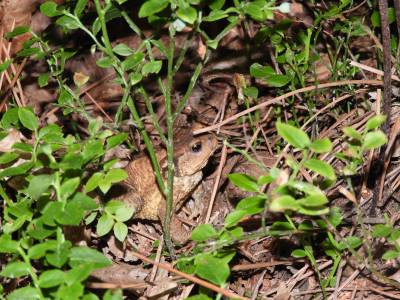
column 14, row 136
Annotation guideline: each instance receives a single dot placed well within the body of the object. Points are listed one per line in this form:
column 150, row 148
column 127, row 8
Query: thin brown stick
column 191, row 278
column 216, row 183
column 262, row 265
column 387, row 95
column 279, row 100
column 98, row 106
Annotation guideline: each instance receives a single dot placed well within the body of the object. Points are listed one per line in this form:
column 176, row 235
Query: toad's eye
column 196, row 147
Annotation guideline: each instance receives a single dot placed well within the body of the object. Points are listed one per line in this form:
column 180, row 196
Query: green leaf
column 374, row 139
column 49, row 9
column 90, row 218
column 25, row 293
column 313, row 211
column 124, row 213
column 77, row 274
column 105, row 62
column 265, row 179
column 135, row 78
column 8, row 157
column 391, row 254
column 255, row 11
column 123, row 50
column 17, row 31
column 93, row 182
column 92, row 150
column 252, row 205
column 305, row 187
column 284, row 203
column 269, row 75
column 68, row 22
column 335, row 216
column 299, row 253
column 113, row 176
column 394, row 235
column 152, row 7
column 113, row 205
column 320, row 167
column 15, row 270
column 199, row 297
column 84, row 201
column 351, row 242
column 51, row 278
column 59, row 257
column 4, row 66
column 294, row 136
column 321, row 146
column 23, row 147
column 43, row 80
column 277, row 80
column 352, row 133
column 28, row 118
column 381, row 230
column 120, row 231
column 86, row 255
column 215, row 15
column 19, row 170
column 80, row 6
column 116, row 140
column 132, row 61
column 116, row 175
column 113, row 295
column 234, row 217
column 152, row 67
column 187, row 14
column 28, row 52
column 376, row 18
column 203, row 232
column 72, row 214
column 73, row 291
column 39, row 250
column 251, row 92
column 10, row 118
column 38, row 185
column 104, row 224
column 216, row 4
column 375, row 122
column 69, row 187
column 244, row 182
column 313, row 200
column 212, row 269
column 235, row 233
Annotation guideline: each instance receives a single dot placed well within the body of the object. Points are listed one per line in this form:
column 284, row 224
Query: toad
column 191, row 155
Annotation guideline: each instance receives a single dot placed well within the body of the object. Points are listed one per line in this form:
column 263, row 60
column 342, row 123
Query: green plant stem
column 31, row 271
column 189, row 90
column 132, row 24
column 106, row 39
column 169, row 191
column 56, row 72
column 147, row 141
column 127, row 99
column 153, row 115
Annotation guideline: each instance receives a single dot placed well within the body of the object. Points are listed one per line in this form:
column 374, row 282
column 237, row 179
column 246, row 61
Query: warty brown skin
column 191, row 156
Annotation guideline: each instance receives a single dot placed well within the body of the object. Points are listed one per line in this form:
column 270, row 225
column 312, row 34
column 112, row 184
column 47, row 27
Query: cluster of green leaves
column 53, row 168
column 391, row 238
column 289, row 195
column 182, row 13
column 41, row 186
column 358, row 143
